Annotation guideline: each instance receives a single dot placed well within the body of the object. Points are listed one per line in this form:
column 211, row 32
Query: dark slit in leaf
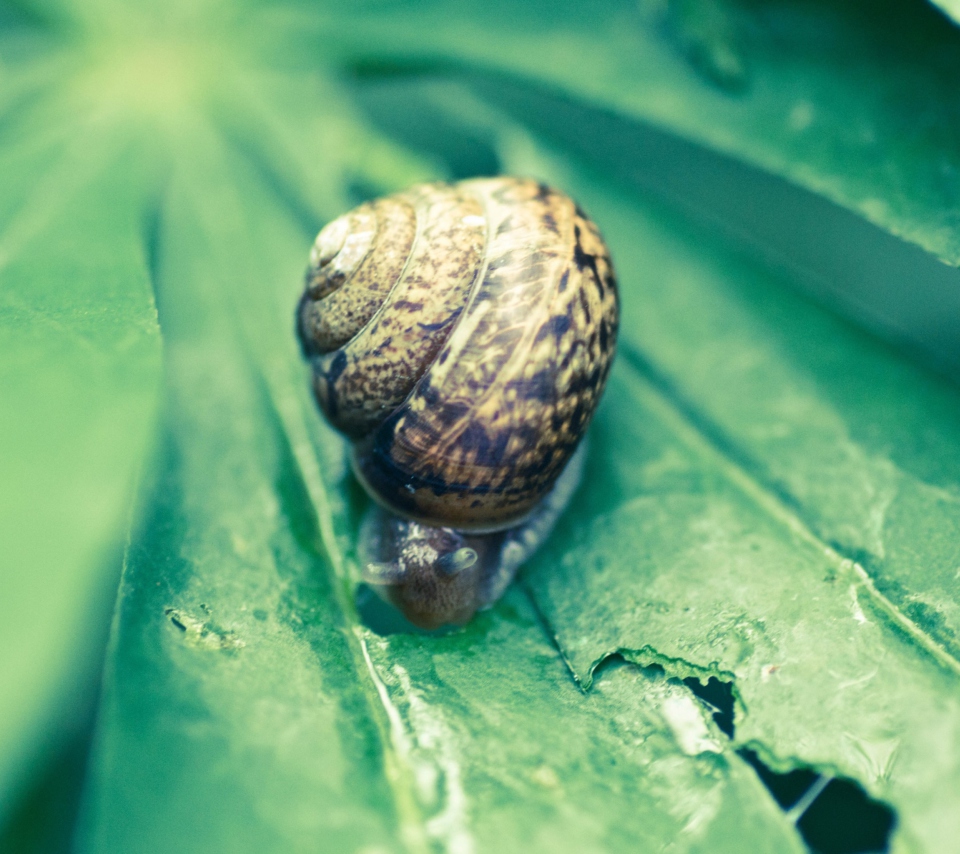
column 840, row 819
column 786, row 788
column 844, row 819
column 718, row 695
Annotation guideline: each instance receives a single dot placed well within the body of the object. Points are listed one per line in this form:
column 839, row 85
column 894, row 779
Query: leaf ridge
column 698, row 431
column 276, row 375
column 288, row 410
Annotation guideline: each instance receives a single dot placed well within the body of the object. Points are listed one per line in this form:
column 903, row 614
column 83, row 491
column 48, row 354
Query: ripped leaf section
column 677, row 553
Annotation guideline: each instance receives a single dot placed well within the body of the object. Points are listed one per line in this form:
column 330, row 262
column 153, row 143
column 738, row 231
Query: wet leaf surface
column 743, row 635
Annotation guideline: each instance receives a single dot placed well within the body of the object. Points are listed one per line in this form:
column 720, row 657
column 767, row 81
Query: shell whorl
column 461, row 336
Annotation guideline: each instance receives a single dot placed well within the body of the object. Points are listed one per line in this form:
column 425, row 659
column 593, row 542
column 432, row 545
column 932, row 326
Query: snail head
column 428, row 573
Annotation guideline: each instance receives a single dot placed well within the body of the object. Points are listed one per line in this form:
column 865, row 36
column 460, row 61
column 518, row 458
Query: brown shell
column 461, row 336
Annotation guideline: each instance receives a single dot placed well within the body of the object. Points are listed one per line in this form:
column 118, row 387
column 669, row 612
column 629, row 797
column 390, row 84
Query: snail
column 460, row 336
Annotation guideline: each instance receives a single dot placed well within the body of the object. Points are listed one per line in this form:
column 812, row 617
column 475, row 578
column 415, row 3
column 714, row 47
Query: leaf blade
column 80, row 384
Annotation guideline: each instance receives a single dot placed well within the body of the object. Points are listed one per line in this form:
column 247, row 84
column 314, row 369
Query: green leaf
column 788, row 511
column 79, row 373
column 759, row 573
column 853, row 102
column 228, row 653
column 248, row 632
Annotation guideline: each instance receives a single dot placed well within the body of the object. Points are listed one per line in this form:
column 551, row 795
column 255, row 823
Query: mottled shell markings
column 461, row 336
column 351, row 285
column 361, row 383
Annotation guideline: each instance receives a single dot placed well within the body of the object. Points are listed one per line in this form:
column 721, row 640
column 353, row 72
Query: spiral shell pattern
column 461, row 336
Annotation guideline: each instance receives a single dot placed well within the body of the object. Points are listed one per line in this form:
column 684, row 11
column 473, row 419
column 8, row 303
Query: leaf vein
column 699, row 431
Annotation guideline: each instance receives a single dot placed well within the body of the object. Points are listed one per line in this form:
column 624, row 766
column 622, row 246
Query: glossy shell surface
column 461, row 336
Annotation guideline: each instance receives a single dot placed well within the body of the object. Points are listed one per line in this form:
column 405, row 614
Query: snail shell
column 461, row 336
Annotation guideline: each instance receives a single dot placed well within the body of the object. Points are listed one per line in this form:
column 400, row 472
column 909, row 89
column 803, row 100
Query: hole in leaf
column 844, row 819
column 833, row 816
column 719, row 695
column 787, row 788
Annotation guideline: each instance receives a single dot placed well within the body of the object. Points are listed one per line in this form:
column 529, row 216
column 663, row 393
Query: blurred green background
column 744, row 634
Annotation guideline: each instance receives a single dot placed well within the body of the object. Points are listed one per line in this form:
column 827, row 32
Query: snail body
column 460, row 336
